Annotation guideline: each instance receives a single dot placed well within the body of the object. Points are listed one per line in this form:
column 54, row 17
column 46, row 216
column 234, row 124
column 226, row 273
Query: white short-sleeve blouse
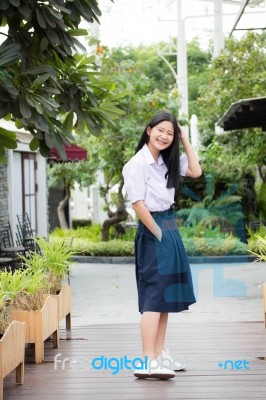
column 145, row 180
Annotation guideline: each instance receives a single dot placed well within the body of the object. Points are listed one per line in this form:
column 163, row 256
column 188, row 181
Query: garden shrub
column 190, row 247
column 92, row 233
column 211, row 242
column 111, row 248
column 253, row 242
column 220, row 246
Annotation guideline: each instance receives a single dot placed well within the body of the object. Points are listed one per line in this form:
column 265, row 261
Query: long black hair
column 171, row 154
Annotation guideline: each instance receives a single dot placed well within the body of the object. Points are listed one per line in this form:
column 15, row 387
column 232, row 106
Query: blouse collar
column 149, row 157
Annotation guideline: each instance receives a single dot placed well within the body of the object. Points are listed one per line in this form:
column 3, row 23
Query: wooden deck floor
column 201, row 345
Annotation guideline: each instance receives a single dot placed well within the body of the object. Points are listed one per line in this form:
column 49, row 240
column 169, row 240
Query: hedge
column 194, row 247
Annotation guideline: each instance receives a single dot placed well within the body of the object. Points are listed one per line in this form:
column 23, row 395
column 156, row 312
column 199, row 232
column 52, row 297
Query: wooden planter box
column 12, row 353
column 39, row 325
column 64, row 299
column 64, row 303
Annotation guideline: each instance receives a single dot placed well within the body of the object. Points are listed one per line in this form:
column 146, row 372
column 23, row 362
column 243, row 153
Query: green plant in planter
column 21, row 290
column 11, row 286
column 261, row 245
column 4, row 312
column 55, row 261
column 253, row 243
column 34, row 262
column 31, row 298
column 13, row 283
column 35, row 265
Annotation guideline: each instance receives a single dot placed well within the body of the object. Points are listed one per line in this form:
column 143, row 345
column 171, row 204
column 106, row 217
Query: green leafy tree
column 238, row 73
column 198, row 61
column 43, row 80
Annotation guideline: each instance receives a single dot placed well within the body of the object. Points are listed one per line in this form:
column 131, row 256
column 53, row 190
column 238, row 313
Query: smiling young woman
column 163, row 273
column 160, row 137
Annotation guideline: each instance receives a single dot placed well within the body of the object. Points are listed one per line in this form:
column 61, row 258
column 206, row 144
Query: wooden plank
column 65, row 304
column 12, row 347
column 204, row 345
column 39, row 325
column 12, row 350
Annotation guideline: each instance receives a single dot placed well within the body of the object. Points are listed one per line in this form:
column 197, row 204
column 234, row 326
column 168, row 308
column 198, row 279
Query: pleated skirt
column 163, row 273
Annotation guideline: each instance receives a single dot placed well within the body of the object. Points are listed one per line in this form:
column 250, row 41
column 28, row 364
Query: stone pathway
column 106, row 293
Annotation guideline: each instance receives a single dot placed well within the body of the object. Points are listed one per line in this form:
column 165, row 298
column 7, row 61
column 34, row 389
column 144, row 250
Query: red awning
column 73, row 152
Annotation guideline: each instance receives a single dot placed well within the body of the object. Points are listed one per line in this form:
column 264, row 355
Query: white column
column 182, row 78
column 97, row 202
column 218, row 27
column 42, row 196
column 194, row 132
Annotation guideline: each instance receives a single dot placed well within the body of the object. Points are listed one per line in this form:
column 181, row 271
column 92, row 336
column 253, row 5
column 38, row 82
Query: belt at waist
column 162, row 213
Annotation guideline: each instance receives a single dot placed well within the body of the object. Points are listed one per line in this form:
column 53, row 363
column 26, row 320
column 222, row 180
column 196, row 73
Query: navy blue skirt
column 163, row 273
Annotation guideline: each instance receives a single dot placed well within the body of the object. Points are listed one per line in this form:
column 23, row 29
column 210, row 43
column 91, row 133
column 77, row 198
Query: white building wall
column 97, row 202
column 80, row 203
column 15, row 190
column 98, row 216
column 86, row 203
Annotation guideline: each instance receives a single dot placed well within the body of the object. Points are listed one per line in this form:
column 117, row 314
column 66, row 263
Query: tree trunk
column 249, row 200
column 61, row 209
column 262, row 174
column 119, row 216
column 115, row 217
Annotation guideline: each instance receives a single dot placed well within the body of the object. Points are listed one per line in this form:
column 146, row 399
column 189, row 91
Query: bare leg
column 149, row 330
column 160, row 337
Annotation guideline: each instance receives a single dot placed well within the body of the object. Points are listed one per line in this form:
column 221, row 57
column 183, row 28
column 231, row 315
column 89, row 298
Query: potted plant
column 54, row 261
column 57, row 259
column 39, row 315
column 11, row 285
column 12, row 335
